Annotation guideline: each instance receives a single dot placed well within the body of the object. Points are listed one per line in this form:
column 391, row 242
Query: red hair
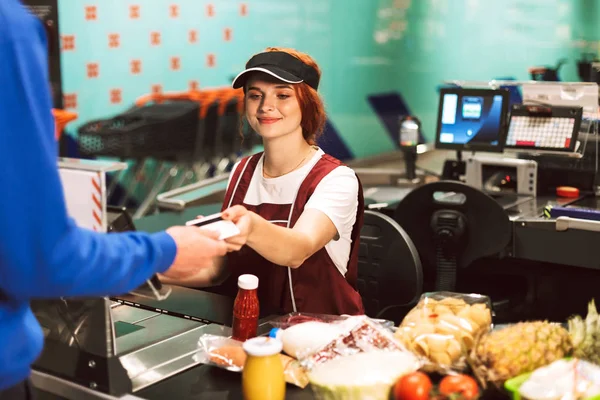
column 311, row 104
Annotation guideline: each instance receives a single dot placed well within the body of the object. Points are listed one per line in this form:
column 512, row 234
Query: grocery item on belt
column 443, row 328
column 516, row 349
column 367, row 375
column 246, row 308
column 295, row 318
column 521, row 348
column 227, row 353
column 360, row 335
column 263, row 377
column 306, row 337
column 563, row 379
column 230, row 357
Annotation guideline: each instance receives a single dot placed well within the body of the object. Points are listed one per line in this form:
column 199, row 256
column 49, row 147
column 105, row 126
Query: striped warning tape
column 96, row 199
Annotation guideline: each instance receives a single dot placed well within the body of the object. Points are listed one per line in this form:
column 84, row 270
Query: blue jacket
column 43, row 254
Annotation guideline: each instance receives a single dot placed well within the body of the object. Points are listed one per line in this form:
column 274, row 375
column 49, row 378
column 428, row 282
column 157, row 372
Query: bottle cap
column 262, row 346
column 274, row 333
column 248, row 282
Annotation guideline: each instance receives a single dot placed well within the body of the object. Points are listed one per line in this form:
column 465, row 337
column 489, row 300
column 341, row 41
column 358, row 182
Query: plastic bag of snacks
column 443, row 327
column 227, row 353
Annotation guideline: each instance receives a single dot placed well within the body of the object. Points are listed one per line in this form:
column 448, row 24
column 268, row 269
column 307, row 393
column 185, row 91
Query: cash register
column 470, row 120
column 507, row 145
column 476, row 121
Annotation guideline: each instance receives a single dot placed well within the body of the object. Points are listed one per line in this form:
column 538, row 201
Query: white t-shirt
column 336, row 196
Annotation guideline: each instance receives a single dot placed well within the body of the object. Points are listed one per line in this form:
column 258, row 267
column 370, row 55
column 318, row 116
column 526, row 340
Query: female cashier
column 299, row 210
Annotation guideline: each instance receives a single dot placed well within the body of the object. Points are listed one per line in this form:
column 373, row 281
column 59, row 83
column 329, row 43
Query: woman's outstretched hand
column 243, row 219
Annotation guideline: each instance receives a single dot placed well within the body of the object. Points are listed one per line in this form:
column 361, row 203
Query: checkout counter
column 154, row 349
column 154, row 342
column 148, row 349
column 137, row 347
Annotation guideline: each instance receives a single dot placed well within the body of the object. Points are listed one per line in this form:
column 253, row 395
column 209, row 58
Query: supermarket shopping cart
column 182, row 151
column 160, row 133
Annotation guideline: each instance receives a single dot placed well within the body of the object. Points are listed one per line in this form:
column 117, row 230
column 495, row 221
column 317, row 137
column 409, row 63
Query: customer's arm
column 42, row 252
column 212, row 275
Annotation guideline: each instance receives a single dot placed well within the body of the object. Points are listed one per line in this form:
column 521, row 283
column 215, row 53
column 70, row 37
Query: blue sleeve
column 42, row 252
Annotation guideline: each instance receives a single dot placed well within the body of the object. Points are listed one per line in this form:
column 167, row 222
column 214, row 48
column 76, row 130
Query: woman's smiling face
column 272, row 107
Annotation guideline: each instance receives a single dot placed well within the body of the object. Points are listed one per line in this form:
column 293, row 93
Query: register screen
column 471, row 119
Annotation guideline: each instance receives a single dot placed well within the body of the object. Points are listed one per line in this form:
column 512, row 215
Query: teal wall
column 482, row 40
column 364, row 47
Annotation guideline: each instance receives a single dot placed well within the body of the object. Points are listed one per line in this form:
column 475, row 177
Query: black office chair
column 390, row 277
column 452, row 225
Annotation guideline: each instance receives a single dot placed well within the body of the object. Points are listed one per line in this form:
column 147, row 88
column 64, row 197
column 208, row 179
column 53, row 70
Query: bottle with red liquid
column 245, row 308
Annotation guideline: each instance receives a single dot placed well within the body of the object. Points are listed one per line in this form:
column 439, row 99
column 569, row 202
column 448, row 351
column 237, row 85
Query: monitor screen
column 543, row 128
column 472, row 119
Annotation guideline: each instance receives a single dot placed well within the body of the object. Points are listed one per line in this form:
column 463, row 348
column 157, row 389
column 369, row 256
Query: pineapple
column 504, row 354
column 585, row 335
column 517, row 349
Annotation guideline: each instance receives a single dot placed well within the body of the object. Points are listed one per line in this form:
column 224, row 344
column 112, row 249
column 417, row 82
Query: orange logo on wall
column 243, row 9
column 114, row 40
column 210, row 10
column 227, row 34
column 174, row 10
column 155, row 38
column 70, row 100
column 68, row 42
column 156, row 89
column 115, row 96
column 92, row 70
column 175, row 63
column 136, row 66
column 210, row 60
column 194, row 85
column 193, row 36
column 90, row 13
column 134, row 12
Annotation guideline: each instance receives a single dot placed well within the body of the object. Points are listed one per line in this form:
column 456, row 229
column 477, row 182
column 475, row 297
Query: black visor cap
column 280, row 65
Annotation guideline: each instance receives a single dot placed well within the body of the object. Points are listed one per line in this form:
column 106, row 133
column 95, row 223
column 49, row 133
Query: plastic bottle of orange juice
column 262, row 377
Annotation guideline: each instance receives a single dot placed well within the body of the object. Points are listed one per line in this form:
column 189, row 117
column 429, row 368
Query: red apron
column 317, row 285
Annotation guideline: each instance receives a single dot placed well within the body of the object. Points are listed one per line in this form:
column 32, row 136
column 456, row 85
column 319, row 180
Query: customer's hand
column 244, row 220
column 196, row 250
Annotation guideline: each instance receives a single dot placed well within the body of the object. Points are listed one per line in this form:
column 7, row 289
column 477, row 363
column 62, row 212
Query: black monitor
column 543, row 128
column 472, row 119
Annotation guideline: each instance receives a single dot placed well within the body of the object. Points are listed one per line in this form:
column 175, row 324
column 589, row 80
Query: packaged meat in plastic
column 227, row 353
column 295, row 318
column 222, row 352
column 443, row 327
column 361, row 334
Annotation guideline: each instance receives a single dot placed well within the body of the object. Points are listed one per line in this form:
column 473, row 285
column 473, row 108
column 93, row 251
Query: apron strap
column 243, row 172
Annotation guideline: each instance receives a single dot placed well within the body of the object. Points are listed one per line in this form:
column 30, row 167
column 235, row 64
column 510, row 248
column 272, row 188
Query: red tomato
column 413, row 386
column 459, row 384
